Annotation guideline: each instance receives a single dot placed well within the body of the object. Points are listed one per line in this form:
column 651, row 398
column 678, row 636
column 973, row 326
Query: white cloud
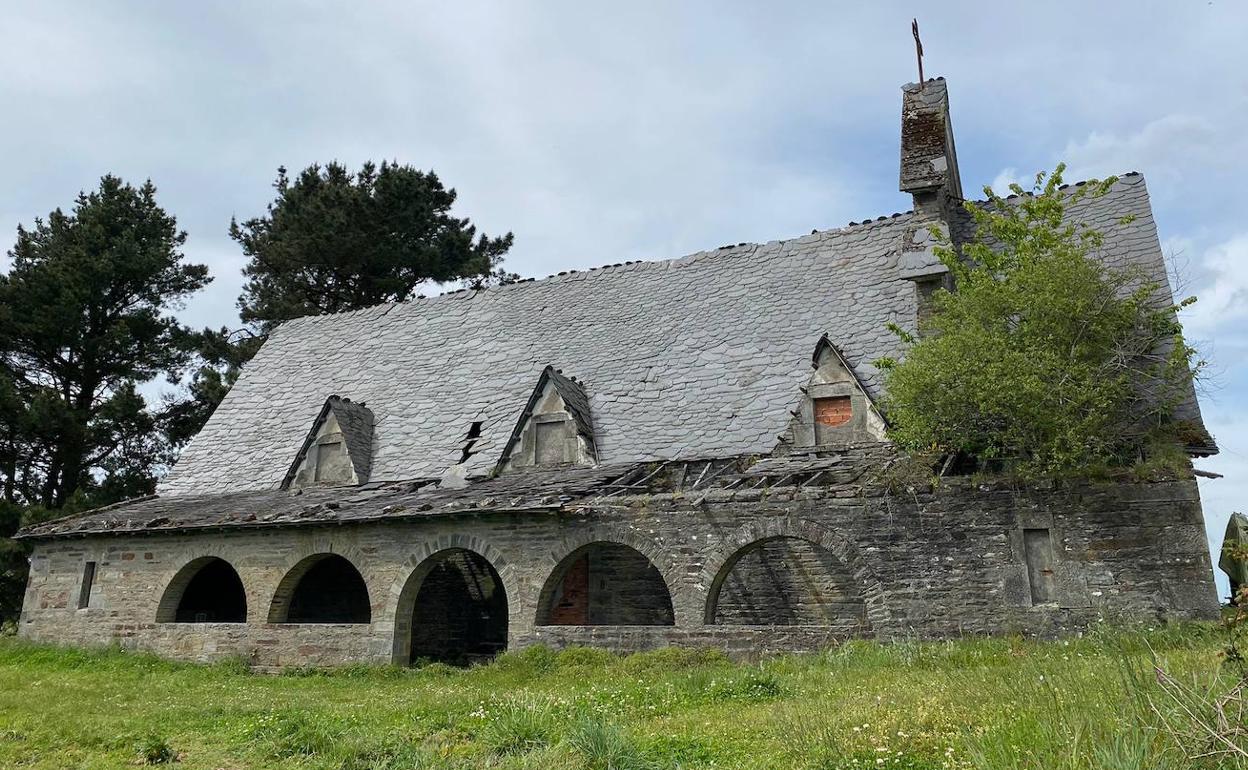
column 1002, row 181
column 1165, row 149
column 1222, row 296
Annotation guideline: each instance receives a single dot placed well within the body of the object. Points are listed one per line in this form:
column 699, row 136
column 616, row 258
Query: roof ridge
column 564, row 275
column 1080, row 183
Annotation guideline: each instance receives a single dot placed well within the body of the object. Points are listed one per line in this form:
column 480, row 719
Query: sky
column 599, row 133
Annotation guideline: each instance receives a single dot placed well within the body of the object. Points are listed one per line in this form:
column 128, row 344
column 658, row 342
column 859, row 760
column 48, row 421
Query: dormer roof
column 826, row 347
column 355, row 422
column 572, row 398
column 573, row 395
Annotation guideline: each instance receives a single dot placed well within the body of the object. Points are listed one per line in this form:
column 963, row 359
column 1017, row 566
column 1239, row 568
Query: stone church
column 681, row 452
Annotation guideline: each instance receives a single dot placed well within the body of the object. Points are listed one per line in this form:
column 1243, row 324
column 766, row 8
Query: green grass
column 975, row 703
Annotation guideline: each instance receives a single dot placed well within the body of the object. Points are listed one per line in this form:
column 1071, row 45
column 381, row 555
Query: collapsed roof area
column 556, row 491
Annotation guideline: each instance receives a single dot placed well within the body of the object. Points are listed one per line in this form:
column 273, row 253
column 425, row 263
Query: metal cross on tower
column 918, row 48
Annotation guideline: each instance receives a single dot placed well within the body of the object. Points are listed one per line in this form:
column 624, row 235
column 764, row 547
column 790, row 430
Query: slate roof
column 694, row 357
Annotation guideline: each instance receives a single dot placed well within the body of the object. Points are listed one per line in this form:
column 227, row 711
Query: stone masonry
column 923, row 563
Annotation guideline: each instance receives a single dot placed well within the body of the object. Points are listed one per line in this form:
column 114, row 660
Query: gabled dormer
column 555, row 427
column 835, row 408
column 338, row 450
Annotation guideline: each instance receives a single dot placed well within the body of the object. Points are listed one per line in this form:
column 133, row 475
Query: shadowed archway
column 605, row 584
column 206, row 590
column 323, row 588
column 452, row 609
column 782, row 581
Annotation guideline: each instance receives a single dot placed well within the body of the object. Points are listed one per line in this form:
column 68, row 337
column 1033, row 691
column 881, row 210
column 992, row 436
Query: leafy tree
column 335, row 241
column 1042, row 356
column 85, row 317
column 13, row 565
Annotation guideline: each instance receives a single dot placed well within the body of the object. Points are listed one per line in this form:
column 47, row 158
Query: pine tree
column 85, row 317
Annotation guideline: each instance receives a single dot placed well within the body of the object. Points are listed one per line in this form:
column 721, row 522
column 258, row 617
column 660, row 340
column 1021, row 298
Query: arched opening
column 207, row 590
column 605, row 584
column 453, row 609
column 785, row 581
column 325, row 588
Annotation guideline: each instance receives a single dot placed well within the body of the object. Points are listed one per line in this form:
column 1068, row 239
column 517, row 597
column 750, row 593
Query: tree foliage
column 1042, row 356
column 334, row 241
column 85, row 316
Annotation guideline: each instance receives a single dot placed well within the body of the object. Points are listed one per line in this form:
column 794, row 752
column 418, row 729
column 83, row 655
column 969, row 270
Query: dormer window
column 338, row 449
column 554, row 429
column 831, row 412
column 835, row 408
column 331, row 465
column 553, row 440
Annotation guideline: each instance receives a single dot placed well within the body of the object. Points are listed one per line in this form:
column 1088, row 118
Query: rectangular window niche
column 552, row 443
column 833, row 411
column 88, row 580
column 1038, row 547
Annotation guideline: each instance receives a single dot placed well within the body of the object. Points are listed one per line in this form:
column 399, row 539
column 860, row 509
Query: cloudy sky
column 599, row 133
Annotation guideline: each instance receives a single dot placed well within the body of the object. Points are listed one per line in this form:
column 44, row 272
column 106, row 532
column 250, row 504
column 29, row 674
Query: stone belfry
column 929, row 162
column 929, row 172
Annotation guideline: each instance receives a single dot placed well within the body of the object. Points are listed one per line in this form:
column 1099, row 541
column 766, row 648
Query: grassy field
column 997, row 703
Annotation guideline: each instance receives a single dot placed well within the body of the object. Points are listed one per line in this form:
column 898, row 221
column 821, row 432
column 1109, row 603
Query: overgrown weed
column 518, row 727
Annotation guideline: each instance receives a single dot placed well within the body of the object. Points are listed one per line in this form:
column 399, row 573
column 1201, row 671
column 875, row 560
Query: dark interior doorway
column 460, row 611
column 331, row 590
column 214, row 595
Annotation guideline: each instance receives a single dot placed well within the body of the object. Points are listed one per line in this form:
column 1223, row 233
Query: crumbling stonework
column 928, row 563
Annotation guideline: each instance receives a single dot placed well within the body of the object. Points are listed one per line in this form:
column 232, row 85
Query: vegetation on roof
column 1043, row 356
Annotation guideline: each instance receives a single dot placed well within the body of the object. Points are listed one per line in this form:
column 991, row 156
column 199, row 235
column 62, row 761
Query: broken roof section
column 353, row 421
column 566, row 491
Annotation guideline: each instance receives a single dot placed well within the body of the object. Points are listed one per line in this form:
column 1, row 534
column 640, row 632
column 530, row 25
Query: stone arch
column 321, row 588
column 748, row 537
column 207, row 589
column 684, row 599
column 646, row 587
column 463, row 552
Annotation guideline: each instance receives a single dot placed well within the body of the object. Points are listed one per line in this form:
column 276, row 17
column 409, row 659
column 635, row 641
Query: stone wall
column 788, row 581
column 906, row 563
